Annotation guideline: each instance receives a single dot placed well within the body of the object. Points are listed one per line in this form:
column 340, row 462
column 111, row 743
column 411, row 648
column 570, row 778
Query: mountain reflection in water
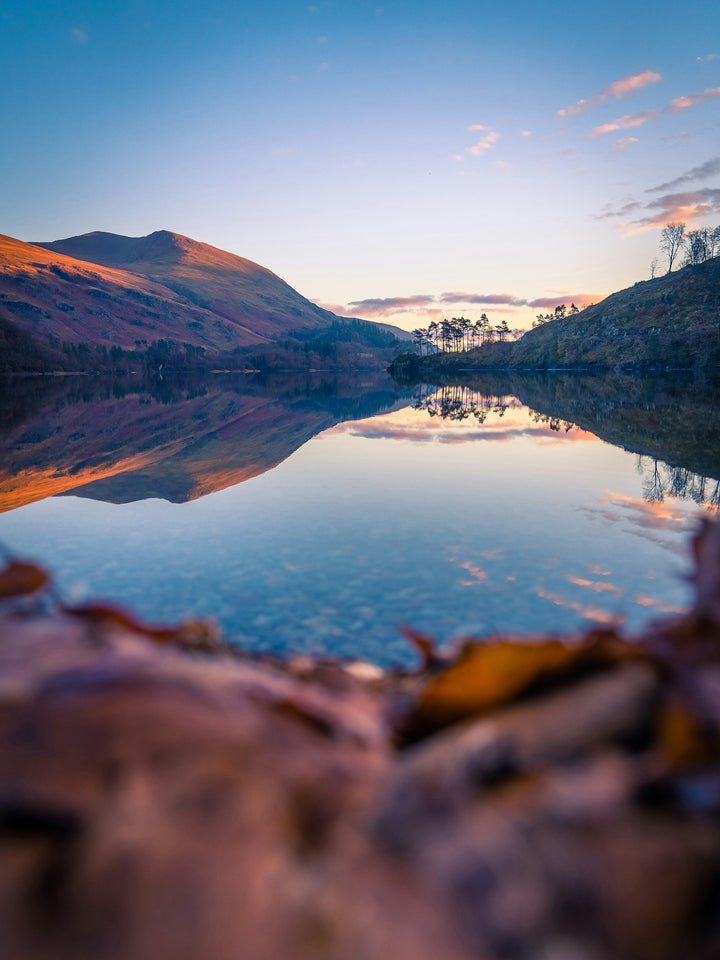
column 467, row 508
column 174, row 440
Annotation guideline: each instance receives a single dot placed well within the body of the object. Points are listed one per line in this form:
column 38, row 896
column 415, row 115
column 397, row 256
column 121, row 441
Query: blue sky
column 397, row 160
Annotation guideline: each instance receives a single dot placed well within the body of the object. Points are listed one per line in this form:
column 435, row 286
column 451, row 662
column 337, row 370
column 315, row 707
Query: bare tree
column 653, row 267
column 714, row 241
column 671, row 241
column 698, row 247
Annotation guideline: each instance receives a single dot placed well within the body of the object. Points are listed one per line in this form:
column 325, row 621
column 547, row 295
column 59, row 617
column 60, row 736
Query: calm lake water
column 307, row 517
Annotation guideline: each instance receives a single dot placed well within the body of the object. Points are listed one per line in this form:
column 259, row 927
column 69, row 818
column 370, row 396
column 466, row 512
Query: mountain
column 669, row 322
column 237, row 290
column 113, row 291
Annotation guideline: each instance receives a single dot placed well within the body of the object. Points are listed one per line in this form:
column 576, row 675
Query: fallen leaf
column 20, row 579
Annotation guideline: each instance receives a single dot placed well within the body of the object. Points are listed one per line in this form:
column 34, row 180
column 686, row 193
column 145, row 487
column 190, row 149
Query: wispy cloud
column 425, row 307
column 485, row 143
column 687, row 207
column 625, row 210
column 433, row 306
column 385, row 306
column 623, row 123
column 702, row 172
column 708, row 56
column 617, row 89
column 79, row 36
column 579, row 299
column 489, row 299
column 682, row 103
column 624, row 143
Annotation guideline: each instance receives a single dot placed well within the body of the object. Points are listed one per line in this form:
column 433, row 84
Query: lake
column 311, row 515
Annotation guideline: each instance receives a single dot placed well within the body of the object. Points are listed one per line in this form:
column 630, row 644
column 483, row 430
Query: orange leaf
column 682, row 739
column 20, row 579
column 487, row 675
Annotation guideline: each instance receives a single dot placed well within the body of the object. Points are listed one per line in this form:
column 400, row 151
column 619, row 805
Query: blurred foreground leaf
column 19, row 579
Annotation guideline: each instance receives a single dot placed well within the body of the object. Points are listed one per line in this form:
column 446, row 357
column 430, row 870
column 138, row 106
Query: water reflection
column 467, row 509
column 175, row 440
column 661, row 480
column 658, row 419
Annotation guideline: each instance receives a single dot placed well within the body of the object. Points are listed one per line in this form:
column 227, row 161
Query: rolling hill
column 671, row 322
column 113, row 291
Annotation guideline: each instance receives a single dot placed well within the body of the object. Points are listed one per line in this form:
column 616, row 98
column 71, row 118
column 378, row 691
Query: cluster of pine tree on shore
column 459, row 333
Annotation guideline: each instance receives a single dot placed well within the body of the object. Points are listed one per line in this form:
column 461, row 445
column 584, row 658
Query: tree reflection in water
column 458, row 403
column 455, row 402
column 661, row 480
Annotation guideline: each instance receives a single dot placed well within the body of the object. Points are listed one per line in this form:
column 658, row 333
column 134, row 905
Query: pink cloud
column 579, row 299
column 389, row 305
column 636, row 81
column 426, row 307
column 681, row 207
column 484, row 144
column 682, row 103
column 634, row 120
column 617, row 89
column 604, row 128
column 623, row 143
column 459, row 296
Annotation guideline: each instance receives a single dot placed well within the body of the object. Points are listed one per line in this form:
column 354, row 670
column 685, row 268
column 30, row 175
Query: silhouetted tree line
column 341, row 344
column 458, row 334
column 559, row 313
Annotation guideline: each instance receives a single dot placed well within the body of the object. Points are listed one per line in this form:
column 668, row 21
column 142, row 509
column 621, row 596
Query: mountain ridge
column 233, row 287
column 109, row 290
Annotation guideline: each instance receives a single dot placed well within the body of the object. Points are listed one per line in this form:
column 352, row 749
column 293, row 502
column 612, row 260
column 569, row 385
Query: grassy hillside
column 670, row 322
